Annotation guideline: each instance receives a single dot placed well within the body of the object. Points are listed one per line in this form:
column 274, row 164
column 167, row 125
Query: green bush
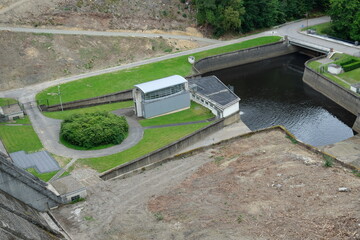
column 351, row 66
column 94, row 129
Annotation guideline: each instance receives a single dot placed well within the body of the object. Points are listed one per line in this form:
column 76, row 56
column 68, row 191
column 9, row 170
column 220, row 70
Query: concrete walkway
column 347, row 151
column 227, row 132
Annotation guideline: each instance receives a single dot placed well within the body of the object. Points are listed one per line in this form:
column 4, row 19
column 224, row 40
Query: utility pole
column 307, row 20
column 59, row 93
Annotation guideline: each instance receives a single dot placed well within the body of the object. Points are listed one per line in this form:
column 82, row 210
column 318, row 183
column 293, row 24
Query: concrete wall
column 165, row 105
column 356, row 126
column 25, row 187
column 170, row 149
column 342, row 96
column 245, row 56
column 109, row 98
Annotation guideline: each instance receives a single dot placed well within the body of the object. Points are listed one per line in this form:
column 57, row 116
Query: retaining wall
column 109, row 98
column 25, row 187
column 356, row 126
column 237, row 138
column 342, row 96
column 244, row 56
column 170, row 149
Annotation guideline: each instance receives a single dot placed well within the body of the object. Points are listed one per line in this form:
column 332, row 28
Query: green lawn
column 43, row 176
column 196, row 112
column 105, row 107
column 126, row 79
column 352, row 76
column 17, row 138
column 153, row 139
column 314, row 65
column 320, row 28
column 7, row 101
column 333, row 78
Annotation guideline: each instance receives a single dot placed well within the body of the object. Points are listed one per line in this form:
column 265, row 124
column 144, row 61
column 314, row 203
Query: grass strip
column 153, row 139
column 18, row 138
column 322, row 28
column 43, row 176
column 7, row 101
column 105, row 107
column 126, row 79
column 196, row 112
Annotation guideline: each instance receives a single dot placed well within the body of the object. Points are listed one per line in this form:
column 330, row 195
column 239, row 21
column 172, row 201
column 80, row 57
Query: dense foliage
column 345, row 16
column 247, row 15
column 94, row 129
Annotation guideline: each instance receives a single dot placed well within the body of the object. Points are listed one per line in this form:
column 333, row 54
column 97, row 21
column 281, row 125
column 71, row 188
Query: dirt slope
column 278, row 190
column 28, row 58
column 100, row 14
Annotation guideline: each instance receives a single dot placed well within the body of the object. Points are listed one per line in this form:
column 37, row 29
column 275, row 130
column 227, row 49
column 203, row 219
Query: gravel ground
column 258, row 187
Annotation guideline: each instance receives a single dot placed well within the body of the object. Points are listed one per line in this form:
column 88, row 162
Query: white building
column 11, row 112
column 335, row 69
column 162, row 96
column 214, row 95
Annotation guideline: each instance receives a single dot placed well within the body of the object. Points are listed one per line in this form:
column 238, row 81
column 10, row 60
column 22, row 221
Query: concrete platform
column 227, row 132
column 347, row 151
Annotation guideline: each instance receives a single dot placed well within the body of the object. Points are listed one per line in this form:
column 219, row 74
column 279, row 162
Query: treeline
column 345, row 19
column 248, row 15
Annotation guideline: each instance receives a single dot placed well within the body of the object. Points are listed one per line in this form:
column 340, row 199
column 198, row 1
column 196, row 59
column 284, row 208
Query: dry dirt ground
column 99, row 14
column 27, row 58
column 257, row 187
column 32, row 58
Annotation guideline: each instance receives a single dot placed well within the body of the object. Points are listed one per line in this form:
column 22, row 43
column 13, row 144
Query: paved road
column 50, row 140
column 292, row 30
column 107, row 33
column 48, row 130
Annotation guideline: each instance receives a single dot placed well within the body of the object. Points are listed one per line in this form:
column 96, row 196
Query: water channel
column 272, row 93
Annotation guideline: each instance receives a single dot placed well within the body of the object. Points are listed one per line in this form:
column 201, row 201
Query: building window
column 75, row 198
column 164, row 92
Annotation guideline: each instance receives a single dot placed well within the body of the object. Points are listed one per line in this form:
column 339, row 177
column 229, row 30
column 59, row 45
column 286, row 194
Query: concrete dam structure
column 343, row 97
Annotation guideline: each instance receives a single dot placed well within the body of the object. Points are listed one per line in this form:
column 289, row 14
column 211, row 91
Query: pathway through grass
column 153, row 139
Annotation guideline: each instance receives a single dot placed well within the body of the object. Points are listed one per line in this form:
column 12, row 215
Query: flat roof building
column 11, row 112
column 215, row 95
column 162, row 96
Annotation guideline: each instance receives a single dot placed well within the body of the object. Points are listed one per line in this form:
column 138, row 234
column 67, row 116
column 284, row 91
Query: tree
column 249, row 15
column 221, row 15
column 94, row 129
column 345, row 16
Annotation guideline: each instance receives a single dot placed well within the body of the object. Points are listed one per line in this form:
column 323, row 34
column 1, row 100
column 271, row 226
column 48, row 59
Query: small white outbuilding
column 335, row 69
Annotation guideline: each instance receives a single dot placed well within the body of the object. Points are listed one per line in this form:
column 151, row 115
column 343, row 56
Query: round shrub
column 94, row 129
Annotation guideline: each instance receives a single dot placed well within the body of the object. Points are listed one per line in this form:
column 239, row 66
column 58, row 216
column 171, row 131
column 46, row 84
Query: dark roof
column 41, row 161
column 213, row 89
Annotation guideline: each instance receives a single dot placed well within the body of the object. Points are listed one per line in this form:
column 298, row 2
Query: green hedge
column 351, row 66
column 94, row 129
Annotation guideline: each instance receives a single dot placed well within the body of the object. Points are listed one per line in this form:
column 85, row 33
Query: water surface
column 272, row 93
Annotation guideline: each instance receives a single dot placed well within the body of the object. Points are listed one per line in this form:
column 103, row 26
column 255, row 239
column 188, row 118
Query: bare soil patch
column 102, row 14
column 260, row 187
column 32, row 58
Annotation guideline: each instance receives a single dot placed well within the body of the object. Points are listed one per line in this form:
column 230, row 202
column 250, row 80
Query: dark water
column 272, row 93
